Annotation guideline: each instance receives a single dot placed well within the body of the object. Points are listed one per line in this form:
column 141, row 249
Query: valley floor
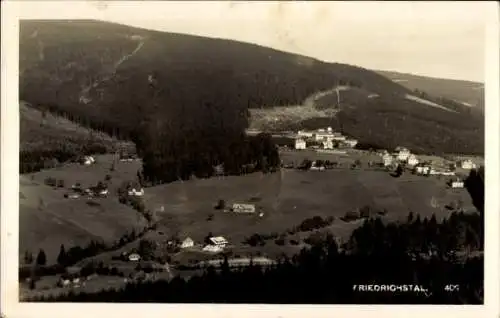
column 186, row 209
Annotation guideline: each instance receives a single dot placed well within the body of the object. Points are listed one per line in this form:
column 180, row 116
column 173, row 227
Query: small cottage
column 134, row 257
column 188, row 242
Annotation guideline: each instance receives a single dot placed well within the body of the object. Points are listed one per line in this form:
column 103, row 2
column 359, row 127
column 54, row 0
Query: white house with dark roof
column 219, row 241
column 138, row 192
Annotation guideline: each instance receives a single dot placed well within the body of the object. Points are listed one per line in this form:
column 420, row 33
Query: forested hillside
column 166, row 91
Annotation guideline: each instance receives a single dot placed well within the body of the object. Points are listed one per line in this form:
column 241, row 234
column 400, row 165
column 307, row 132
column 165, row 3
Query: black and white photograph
column 280, row 153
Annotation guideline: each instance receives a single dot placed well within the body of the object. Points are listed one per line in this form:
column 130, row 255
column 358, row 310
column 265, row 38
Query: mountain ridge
column 179, row 82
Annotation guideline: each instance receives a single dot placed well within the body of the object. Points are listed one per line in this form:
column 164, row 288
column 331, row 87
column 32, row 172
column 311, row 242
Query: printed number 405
column 452, row 288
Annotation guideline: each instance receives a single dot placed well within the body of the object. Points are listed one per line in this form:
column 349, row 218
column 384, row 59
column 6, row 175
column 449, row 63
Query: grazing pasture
column 47, row 219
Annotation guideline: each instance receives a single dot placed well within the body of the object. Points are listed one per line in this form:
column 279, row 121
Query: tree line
column 33, row 160
column 377, row 253
column 199, row 153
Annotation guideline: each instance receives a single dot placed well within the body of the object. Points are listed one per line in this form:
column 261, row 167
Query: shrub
column 294, row 242
column 93, row 203
column 280, row 241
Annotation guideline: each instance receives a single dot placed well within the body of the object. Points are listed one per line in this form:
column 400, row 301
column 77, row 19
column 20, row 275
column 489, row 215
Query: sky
column 434, row 39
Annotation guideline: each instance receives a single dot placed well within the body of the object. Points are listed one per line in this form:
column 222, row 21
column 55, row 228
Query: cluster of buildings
column 401, row 154
column 326, row 137
column 100, row 190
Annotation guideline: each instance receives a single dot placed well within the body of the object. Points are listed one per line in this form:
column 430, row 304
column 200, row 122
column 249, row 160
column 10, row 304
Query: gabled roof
column 218, row 240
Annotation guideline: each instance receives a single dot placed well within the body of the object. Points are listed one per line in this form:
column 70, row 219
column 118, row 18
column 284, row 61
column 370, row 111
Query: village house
column 243, row 208
column 387, row 159
column 412, row 160
column 188, row 242
column 468, row 164
column 327, row 144
column 300, row 144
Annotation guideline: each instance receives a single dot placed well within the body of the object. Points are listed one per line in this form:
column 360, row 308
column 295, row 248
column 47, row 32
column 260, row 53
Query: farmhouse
column 188, row 242
column 468, row 164
column 300, row 144
column 243, row 208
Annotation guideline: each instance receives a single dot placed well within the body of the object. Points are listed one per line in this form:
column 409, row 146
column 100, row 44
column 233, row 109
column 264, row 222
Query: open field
column 286, row 198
